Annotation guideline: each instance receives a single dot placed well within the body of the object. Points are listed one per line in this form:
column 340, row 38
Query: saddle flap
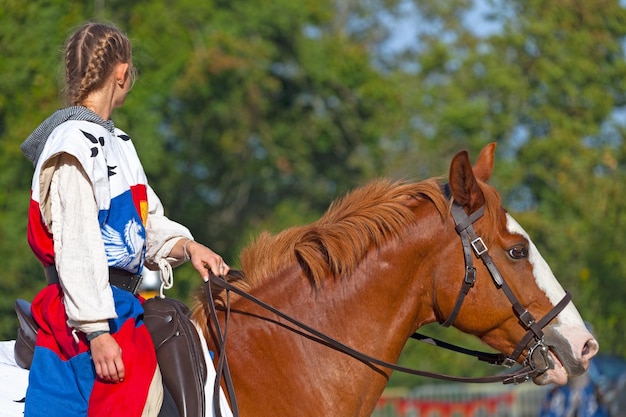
column 179, row 353
column 162, row 320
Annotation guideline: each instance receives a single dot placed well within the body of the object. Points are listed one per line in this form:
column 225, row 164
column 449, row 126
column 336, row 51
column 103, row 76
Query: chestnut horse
column 383, row 261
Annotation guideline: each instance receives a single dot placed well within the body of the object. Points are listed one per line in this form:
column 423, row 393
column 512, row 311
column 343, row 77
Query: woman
column 93, row 223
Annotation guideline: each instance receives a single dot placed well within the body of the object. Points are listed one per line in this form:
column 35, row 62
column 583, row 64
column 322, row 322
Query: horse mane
column 335, row 244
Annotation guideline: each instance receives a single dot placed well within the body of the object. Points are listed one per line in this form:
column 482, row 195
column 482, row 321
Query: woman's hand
column 107, row 358
column 203, row 259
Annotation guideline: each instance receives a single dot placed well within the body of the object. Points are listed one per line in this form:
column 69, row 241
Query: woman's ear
column 121, row 73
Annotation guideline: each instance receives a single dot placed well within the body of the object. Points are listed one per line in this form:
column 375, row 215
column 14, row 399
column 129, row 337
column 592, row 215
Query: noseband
column 537, row 358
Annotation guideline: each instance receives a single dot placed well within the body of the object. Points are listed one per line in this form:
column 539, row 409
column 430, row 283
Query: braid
column 91, row 53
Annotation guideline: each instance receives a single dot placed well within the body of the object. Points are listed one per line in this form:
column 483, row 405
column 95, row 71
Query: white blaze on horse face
column 546, row 280
column 571, row 345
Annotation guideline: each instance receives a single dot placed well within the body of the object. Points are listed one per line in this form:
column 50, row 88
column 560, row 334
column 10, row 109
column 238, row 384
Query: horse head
column 512, row 300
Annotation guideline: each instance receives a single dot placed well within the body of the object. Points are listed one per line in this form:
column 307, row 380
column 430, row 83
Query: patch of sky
column 520, row 135
column 483, row 19
column 405, row 24
column 402, row 27
column 611, row 132
column 521, row 199
column 312, row 32
column 255, row 144
column 211, row 196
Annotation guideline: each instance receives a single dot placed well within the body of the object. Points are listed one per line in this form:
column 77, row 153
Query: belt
column 118, row 277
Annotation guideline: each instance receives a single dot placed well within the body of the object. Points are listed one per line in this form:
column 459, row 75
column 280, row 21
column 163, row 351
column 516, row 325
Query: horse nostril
column 590, row 349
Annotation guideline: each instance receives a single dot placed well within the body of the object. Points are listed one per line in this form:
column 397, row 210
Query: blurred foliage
column 254, row 115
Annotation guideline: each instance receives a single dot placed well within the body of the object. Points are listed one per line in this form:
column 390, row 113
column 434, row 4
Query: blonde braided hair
column 91, row 54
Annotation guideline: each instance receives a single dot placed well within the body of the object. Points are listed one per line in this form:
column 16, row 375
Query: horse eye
column 518, row 252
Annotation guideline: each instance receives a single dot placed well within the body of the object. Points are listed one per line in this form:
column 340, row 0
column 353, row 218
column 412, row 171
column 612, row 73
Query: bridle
column 537, row 358
column 536, row 361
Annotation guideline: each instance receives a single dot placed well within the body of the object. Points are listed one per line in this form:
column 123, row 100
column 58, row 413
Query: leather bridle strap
column 496, row 358
column 491, row 358
column 470, row 271
column 472, row 242
column 541, row 324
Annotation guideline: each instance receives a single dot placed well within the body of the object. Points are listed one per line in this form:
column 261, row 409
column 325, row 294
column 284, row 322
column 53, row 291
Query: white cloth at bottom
column 210, row 382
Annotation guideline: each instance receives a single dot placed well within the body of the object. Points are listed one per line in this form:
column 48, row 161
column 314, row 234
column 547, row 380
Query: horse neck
column 374, row 310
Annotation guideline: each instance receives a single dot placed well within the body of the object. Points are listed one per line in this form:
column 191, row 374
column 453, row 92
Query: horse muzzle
column 563, row 354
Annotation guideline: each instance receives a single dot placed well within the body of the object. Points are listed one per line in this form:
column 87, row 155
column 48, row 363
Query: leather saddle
column 179, row 353
column 176, row 341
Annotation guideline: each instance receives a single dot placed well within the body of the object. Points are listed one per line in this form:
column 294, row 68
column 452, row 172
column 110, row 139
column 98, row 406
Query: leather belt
column 119, row 277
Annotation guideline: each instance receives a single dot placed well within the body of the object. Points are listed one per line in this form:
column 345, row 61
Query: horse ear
column 484, row 165
column 463, row 183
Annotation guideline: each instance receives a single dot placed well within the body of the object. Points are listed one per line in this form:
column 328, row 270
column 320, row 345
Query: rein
column 517, row 377
column 536, row 362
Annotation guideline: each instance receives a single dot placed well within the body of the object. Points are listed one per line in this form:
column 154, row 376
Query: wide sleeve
column 80, row 255
column 161, row 233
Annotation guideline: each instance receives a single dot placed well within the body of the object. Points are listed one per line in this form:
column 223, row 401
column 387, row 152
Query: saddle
column 176, row 341
column 179, row 353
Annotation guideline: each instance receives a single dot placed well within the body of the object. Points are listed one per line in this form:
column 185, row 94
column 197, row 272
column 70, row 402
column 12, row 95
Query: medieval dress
column 89, row 189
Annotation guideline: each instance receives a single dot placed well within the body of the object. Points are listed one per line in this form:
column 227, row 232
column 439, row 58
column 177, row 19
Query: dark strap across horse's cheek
column 473, row 244
column 462, row 225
